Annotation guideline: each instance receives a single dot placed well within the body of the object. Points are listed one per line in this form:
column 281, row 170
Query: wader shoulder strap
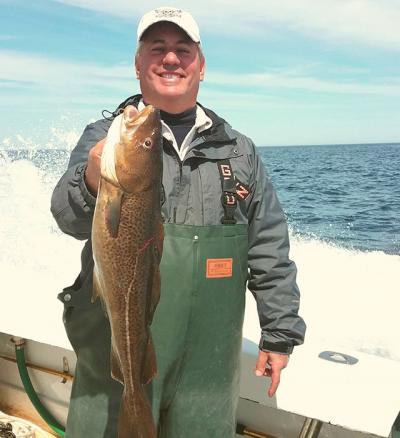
column 228, row 198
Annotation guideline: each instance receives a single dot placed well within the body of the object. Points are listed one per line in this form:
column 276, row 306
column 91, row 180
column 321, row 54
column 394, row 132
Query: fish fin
column 116, row 372
column 96, row 292
column 113, row 210
column 155, row 285
column 160, row 240
column 156, row 280
column 149, row 369
column 96, row 287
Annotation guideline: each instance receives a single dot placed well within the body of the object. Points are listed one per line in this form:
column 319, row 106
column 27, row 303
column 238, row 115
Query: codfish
column 127, row 236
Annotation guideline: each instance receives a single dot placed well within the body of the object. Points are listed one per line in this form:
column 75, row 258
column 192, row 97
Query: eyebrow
column 182, row 41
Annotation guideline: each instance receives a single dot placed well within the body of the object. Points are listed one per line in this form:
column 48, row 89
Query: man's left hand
column 271, row 364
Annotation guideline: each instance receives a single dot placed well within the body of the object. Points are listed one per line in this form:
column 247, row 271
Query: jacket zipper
column 180, row 164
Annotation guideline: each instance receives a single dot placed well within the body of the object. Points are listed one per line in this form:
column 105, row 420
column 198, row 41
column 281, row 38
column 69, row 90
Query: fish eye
column 148, row 143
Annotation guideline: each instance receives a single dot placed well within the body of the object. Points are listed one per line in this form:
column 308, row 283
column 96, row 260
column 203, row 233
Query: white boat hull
column 281, row 416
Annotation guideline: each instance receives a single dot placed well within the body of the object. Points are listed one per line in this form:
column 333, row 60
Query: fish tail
column 135, row 416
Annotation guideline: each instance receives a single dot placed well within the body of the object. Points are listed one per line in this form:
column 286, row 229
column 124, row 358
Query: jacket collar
column 219, row 132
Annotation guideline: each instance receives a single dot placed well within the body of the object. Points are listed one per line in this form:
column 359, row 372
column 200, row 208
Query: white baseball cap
column 168, row 13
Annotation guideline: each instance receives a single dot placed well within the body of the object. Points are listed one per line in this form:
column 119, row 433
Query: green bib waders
column 197, row 332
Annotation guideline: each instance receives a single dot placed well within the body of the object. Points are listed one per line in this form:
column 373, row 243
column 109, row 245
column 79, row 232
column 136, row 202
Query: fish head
column 138, row 155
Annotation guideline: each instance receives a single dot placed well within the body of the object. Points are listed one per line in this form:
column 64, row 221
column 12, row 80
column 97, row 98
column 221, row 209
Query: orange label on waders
column 219, row 268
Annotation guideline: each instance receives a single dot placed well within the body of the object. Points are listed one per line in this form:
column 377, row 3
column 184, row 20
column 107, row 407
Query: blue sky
column 284, row 72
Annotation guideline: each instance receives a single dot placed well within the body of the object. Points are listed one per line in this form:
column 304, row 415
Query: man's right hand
column 92, row 173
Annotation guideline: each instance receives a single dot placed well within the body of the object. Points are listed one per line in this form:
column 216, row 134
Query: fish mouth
column 146, row 124
column 148, row 116
column 133, row 118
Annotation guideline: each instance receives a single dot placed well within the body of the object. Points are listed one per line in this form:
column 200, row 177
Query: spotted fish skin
column 127, row 236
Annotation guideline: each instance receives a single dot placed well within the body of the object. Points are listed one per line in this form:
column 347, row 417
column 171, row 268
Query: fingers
column 92, row 173
column 275, row 380
column 98, row 148
column 271, row 364
column 267, row 372
column 261, row 364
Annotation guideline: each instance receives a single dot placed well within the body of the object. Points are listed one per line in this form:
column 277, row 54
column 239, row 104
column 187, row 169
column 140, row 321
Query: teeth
column 169, row 76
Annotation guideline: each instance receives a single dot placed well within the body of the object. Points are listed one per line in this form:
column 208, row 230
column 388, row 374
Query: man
column 221, row 220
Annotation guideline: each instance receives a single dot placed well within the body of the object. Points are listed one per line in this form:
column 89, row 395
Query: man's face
column 169, row 68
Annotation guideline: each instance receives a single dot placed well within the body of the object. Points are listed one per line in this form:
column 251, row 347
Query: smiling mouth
column 170, row 75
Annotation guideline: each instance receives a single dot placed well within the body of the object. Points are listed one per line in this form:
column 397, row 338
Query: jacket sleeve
column 72, row 205
column 272, row 275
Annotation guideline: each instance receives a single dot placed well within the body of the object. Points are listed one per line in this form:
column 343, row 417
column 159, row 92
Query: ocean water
column 343, row 207
column 348, row 195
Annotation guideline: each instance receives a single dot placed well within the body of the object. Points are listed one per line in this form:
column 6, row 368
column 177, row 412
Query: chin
column 169, row 99
column 170, row 92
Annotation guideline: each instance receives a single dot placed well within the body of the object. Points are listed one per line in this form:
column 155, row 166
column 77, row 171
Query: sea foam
column 348, row 297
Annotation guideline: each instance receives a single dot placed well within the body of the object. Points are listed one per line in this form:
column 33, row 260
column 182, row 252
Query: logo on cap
column 168, row 13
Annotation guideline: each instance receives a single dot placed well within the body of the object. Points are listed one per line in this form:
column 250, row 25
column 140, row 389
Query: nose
column 171, row 59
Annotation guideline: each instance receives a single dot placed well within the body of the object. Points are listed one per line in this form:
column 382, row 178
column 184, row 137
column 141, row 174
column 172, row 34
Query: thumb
column 98, row 148
column 261, row 363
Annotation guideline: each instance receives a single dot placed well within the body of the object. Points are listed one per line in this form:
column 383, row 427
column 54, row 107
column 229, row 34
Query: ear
column 202, row 70
column 137, row 69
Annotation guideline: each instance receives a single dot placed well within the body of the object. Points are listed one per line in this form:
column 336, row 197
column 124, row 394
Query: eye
column 148, row 143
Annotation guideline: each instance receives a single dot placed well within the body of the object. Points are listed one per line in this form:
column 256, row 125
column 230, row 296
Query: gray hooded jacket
column 193, row 196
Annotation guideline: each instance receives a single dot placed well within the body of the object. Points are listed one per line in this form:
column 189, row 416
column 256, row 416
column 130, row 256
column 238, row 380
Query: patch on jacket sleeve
column 242, row 190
